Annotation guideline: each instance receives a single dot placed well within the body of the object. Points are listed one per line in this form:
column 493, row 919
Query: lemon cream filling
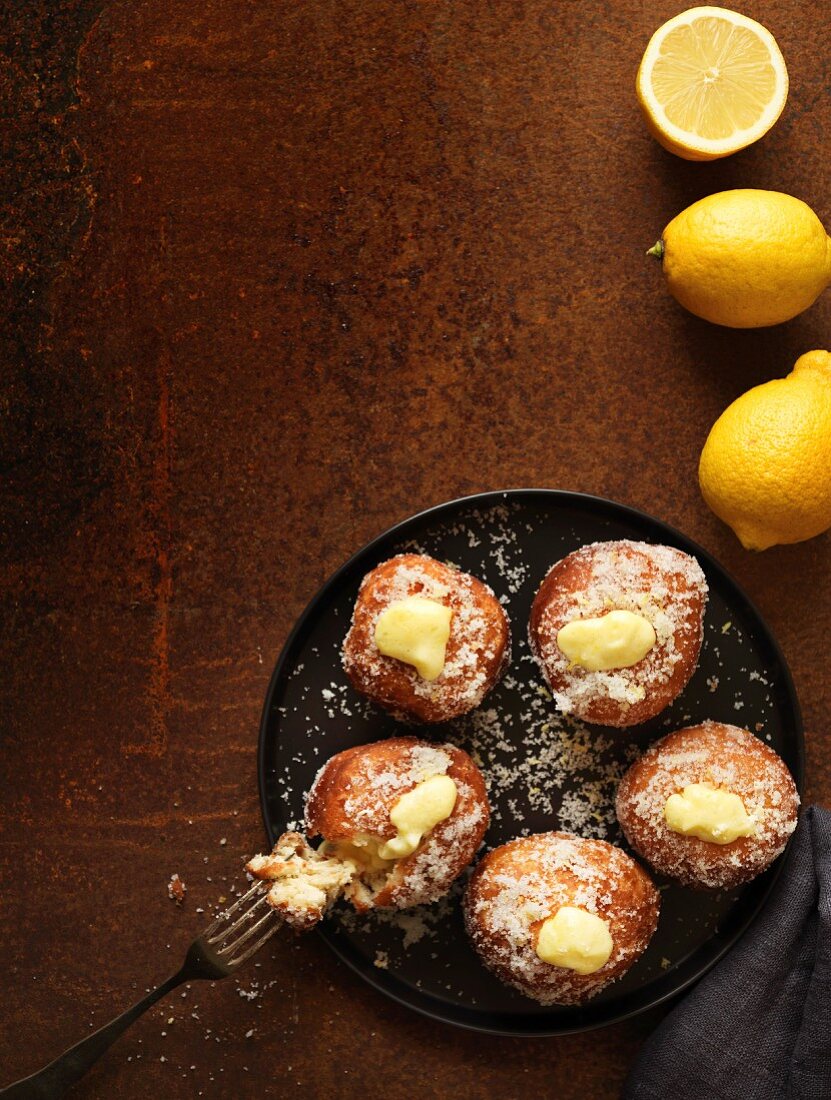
column 710, row 813
column 417, row 812
column 414, row 815
column 415, row 630
column 575, row 939
column 360, row 851
column 617, row 640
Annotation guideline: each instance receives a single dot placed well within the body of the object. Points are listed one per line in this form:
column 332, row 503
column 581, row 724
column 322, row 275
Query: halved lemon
column 711, row 82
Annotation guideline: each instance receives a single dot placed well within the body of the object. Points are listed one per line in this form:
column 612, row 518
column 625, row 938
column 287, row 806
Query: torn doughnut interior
column 306, row 882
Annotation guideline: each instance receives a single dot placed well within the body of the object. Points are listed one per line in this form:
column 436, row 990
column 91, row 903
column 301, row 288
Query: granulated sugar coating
column 369, row 783
column 544, row 771
column 658, row 583
column 522, row 883
column 564, row 770
column 723, row 756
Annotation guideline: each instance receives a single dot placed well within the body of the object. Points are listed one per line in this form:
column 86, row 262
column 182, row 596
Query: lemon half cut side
column 711, row 82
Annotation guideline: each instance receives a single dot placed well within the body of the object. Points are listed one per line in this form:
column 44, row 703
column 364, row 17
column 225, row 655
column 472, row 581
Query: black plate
column 545, row 772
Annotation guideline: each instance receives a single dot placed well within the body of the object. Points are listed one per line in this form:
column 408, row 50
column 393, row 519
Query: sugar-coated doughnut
column 724, row 758
column 477, row 649
column 659, row 584
column 352, row 807
column 355, row 791
column 517, row 887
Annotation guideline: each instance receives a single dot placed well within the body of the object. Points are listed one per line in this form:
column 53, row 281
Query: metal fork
column 219, row 951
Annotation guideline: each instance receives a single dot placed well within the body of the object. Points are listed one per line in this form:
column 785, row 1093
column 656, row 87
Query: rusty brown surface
column 276, row 276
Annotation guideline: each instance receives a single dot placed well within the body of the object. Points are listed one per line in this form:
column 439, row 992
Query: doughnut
column 399, row 819
column 522, row 889
column 633, row 615
column 705, row 769
column 475, row 653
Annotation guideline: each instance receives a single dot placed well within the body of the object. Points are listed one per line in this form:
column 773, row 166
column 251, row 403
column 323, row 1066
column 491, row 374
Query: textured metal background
column 275, row 276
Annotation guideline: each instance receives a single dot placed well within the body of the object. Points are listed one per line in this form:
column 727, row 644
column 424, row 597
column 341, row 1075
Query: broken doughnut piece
column 305, row 882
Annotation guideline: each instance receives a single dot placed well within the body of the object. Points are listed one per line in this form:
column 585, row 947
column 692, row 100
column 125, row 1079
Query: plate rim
column 485, row 499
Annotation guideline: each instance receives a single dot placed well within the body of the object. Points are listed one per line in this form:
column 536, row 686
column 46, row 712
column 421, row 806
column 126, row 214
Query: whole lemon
column 766, row 466
column 746, row 258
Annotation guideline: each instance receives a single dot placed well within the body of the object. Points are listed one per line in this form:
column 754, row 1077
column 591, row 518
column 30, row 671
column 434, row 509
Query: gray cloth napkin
column 758, row 1027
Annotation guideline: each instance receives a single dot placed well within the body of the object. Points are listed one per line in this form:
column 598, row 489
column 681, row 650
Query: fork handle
column 53, row 1080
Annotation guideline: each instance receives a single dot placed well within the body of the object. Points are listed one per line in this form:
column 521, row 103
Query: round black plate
column 544, row 772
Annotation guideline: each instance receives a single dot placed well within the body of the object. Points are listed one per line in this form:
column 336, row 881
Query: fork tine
column 222, row 936
column 227, row 950
column 226, row 913
column 269, row 932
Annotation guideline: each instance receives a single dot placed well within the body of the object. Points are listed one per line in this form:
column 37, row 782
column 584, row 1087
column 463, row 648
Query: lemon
column 746, row 258
column 766, row 466
column 711, row 82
